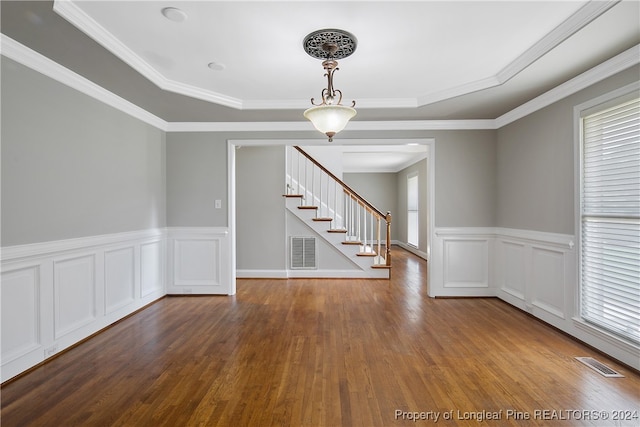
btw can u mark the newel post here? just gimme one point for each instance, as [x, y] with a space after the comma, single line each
[388, 255]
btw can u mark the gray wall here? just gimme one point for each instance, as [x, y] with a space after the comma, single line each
[260, 208]
[388, 192]
[72, 166]
[196, 178]
[465, 179]
[535, 159]
[379, 189]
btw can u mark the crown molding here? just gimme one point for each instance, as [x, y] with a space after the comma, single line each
[37, 62]
[400, 125]
[566, 29]
[68, 10]
[618, 63]
[585, 15]
[73, 14]
[453, 92]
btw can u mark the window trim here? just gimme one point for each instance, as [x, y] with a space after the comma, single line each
[580, 111]
[413, 175]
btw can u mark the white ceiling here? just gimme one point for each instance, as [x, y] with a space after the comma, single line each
[379, 158]
[409, 54]
[362, 157]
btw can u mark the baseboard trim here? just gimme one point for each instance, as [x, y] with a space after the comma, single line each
[261, 274]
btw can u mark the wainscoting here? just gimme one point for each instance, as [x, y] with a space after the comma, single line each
[461, 261]
[534, 271]
[55, 294]
[198, 260]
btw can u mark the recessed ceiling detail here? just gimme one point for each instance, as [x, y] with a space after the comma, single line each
[316, 44]
[174, 14]
[410, 54]
[216, 66]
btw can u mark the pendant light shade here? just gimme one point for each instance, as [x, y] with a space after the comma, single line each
[330, 119]
[330, 116]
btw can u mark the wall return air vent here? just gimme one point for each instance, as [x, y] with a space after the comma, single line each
[303, 253]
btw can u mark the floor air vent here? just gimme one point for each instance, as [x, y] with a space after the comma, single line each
[303, 253]
[599, 367]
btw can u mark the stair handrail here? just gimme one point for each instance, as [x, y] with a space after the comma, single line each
[376, 211]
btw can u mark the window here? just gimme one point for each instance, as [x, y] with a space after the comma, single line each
[412, 210]
[610, 217]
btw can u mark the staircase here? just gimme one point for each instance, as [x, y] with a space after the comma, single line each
[338, 214]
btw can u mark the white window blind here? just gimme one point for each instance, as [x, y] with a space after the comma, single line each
[413, 216]
[610, 203]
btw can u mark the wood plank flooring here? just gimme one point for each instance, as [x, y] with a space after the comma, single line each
[324, 353]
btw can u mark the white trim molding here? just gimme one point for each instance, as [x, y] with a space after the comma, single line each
[43, 65]
[532, 270]
[461, 262]
[411, 249]
[537, 272]
[621, 62]
[37, 62]
[77, 17]
[198, 261]
[55, 294]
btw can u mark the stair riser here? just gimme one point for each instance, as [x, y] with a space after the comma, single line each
[336, 240]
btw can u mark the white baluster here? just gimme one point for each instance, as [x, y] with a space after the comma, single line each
[298, 169]
[313, 182]
[378, 235]
[358, 221]
[371, 231]
[364, 229]
[335, 206]
[289, 177]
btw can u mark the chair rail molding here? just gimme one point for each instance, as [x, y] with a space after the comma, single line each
[55, 294]
[198, 261]
[58, 293]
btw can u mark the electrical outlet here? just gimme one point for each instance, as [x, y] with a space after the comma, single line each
[50, 351]
[218, 204]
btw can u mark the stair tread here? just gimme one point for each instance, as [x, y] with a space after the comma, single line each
[307, 207]
[367, 254]
[322, 219]
[293, 195]
[381, 266]
[352, 242]
[337, 230]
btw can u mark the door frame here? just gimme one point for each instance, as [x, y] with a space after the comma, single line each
[233, 144]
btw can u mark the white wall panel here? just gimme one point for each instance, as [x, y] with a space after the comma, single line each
[536, 269]
[74, 288]
[547, 277]
[197, 262]
[151, 268]
[119, 278]
[200, 261]
[513, 269]
[461, 263]
[466, 263]
[20, 314]
[55, 294]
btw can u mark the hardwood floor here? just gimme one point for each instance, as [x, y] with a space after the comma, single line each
[324, 353]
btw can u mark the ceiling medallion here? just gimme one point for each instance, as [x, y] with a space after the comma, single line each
[330, 116]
